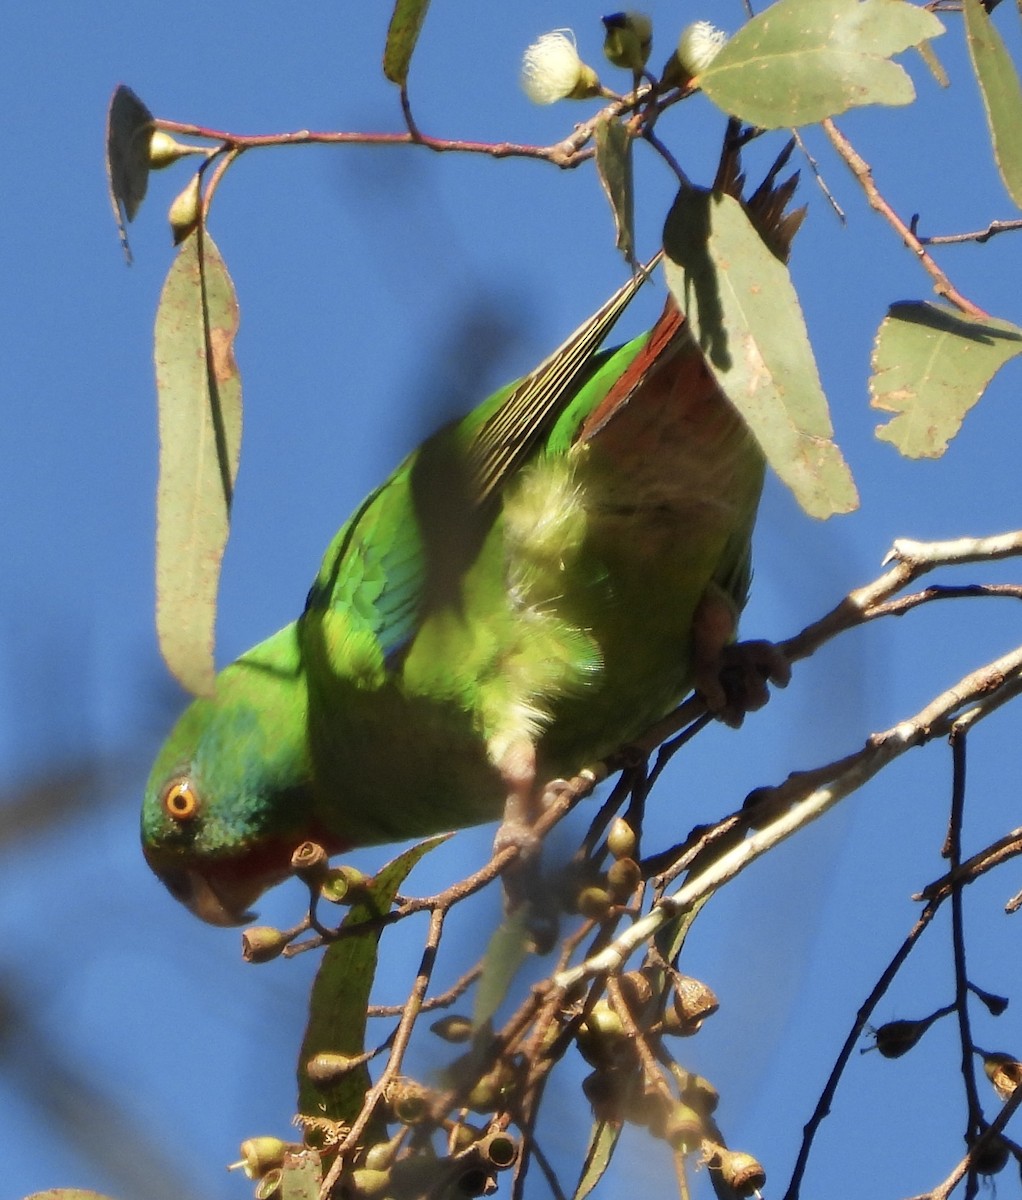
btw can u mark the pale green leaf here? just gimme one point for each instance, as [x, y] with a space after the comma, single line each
[129, 126]
[614, 167]
[506, 952]
[800, 61]
[930, 366]
[603, 1140]
[402, 34]
[340, 994]
[746, 318]
[199, 393]
[1002, 94]
[301, 1177]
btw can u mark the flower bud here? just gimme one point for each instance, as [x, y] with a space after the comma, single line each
[636, 991]
[488, 1093]
[464, 1135]
[628, 40]
[379, 1156]
[740, 1171]
[896, 1038]
[623, 878]
[552, 70]
[603, 1021]
[185, 211]
[1004, 1072]
[621, 840]
[991, 1155]
[684, 1128]
[453, 1028]
[700, 1094]
[594, 903]
[310, 863]
[325, 1069]
[262, 943]
[261, 1154]
[165, 150]
[605, 1092]
[364, 1181]
[343, 885]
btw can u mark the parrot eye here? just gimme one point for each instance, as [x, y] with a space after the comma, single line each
[180, 800]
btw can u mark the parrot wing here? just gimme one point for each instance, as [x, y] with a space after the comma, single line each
[403, 552]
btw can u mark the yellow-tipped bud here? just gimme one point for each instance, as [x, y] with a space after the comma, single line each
[621, 840]
[594, 903]
[261, 1154]
[165, 150]
[453, 1028]
[628, 40]
[623, 877]
[262, 943]
[364, 1181]
[325, 1069]
[185, 211]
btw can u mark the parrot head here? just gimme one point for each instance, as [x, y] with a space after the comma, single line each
[229, 797]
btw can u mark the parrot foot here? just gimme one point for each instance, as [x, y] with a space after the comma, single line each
[736, 683]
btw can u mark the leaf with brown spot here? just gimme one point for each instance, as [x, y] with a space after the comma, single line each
[199, 391]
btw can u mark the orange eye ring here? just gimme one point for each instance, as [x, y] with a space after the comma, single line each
[180, 800]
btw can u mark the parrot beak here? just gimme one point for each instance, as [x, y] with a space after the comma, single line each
[224, 902]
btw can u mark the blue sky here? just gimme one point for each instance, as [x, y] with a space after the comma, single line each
[358, 274]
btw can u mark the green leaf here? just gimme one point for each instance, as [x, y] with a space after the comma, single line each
[930, 366]
[302, 1176]
[506, 952]
[403, 33]
[603, 1141]
[1002, 94]
[614, 167]
[129, 125]
[199, 392]
[746, 319]
[800, 61]
[340, 994]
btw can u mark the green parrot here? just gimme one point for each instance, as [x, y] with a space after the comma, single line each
[531, 588]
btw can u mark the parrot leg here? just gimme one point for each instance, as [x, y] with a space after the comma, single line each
[731, 677]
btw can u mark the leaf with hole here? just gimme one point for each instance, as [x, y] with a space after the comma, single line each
[199, 393]
[800, 61]
[930, 366]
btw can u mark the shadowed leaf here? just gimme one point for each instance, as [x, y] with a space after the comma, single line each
[505, 953]
[128, 128]
[800, 61]
[1002, 94]
[402, 34]
[614, 166]
[746, 318]
[930, 366]
[602, 1143]
[199, 393]
[340, 994]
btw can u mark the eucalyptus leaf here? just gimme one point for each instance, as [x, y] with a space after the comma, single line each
[199, 392]
[129, 125]
[402, 35]
[930, 366]
[1001, 91]
[800, 61]
[340, 995]
[603, 1139]
[505, 953]
[746, 319]
[614, 167]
